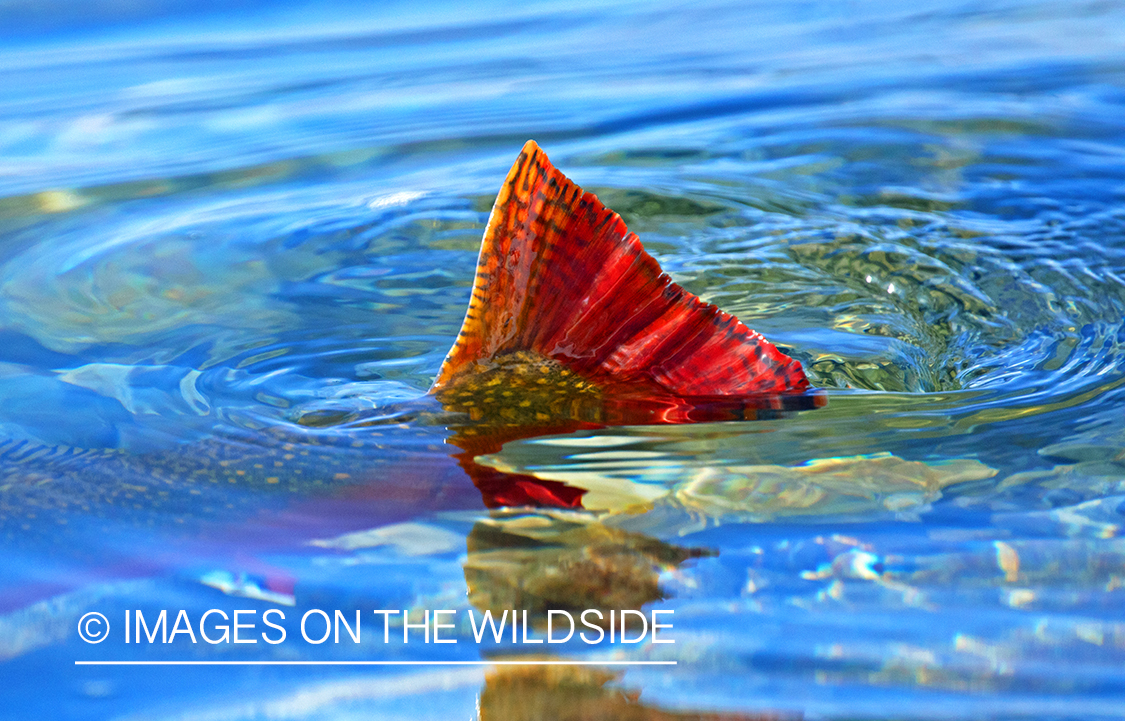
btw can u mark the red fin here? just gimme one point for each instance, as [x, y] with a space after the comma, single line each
[561, 275]
[500, 488]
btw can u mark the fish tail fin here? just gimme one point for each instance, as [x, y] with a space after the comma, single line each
[560, 275]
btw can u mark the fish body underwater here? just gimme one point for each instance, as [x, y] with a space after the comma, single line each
[571, 325]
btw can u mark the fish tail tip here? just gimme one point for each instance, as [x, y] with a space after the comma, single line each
[559, 274]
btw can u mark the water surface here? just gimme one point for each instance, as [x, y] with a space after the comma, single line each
[218, 223]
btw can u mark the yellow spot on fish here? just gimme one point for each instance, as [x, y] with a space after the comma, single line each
[272, 479]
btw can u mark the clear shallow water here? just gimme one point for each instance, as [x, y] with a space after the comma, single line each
[216, 223]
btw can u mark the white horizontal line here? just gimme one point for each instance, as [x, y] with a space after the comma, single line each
[375, 663]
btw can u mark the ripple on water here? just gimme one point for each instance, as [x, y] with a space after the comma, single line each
[216, 242]
[184, 308]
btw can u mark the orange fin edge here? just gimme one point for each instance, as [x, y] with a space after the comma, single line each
[558, 273]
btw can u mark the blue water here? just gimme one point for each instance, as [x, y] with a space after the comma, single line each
[237, 239]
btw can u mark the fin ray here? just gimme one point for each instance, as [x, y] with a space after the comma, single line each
[560, 274]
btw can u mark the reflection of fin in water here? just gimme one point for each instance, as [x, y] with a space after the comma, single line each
[537, 562]
[573, 325]
[567, 693]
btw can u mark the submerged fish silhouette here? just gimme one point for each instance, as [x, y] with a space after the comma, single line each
[573, 325]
